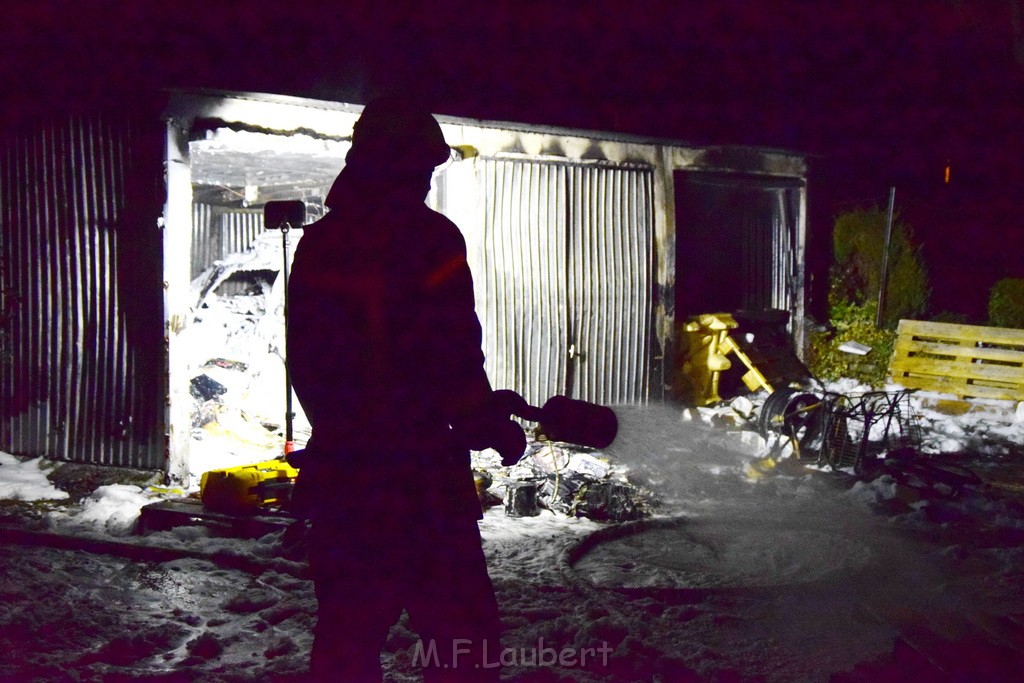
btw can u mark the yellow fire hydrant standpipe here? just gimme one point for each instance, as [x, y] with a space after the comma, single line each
[706, 344]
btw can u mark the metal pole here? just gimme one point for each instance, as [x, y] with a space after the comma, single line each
[884, 281]
[289, 441]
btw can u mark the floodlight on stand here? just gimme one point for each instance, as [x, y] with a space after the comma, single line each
[284, 215]
[278, 215]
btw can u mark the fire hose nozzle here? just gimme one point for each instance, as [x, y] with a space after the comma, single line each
[571, 420]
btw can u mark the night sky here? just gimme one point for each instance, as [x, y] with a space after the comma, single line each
[879, 94]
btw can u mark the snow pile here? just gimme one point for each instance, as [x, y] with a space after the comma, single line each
[113, 509]
[26, 480]
[874, 492]
[949, 425]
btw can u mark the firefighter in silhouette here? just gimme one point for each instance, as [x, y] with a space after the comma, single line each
[384, 351]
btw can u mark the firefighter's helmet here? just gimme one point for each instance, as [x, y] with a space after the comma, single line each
[396, 131]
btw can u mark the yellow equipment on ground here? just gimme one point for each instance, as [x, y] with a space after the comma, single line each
[705, 344]
[248, 488]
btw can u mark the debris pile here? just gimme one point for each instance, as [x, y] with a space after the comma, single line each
[927, 451]
[565, 479]
[235, 343]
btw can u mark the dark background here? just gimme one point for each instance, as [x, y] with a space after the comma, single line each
[878, 93]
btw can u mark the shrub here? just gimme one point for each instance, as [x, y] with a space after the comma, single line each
[851, 321]
[858, 248]
[1006, 303]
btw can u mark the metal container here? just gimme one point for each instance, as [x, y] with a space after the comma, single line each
[521, 499]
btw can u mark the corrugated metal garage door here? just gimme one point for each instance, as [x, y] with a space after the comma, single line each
[564, 278]
[83, 374]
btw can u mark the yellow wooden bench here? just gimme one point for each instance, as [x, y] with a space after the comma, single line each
[970, 361]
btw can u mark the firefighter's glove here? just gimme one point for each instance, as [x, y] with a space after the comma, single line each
[490, 426]
[506, 403]
[510, 442]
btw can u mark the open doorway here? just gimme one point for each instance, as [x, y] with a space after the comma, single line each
[737, 244]
[235, 339]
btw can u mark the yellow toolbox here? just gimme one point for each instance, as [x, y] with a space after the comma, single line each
[248, 488]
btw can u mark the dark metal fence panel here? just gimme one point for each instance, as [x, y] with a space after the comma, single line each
[218, 232]
[239, 228]
[786, 247]
[82, 374]
[768, 249]
[205, 238]
[567, 278]
[757, 251]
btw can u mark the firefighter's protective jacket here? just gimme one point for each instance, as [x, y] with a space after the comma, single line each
[384, 346]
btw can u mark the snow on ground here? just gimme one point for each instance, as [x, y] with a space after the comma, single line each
[112, 509]
[96, 616]
[787, 576]
[26, 480]
[951, 425]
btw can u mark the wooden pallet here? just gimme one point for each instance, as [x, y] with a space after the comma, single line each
[970, 361]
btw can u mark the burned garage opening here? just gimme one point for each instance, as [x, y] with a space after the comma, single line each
[235, 341]
[737, 243]
[739, 280]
